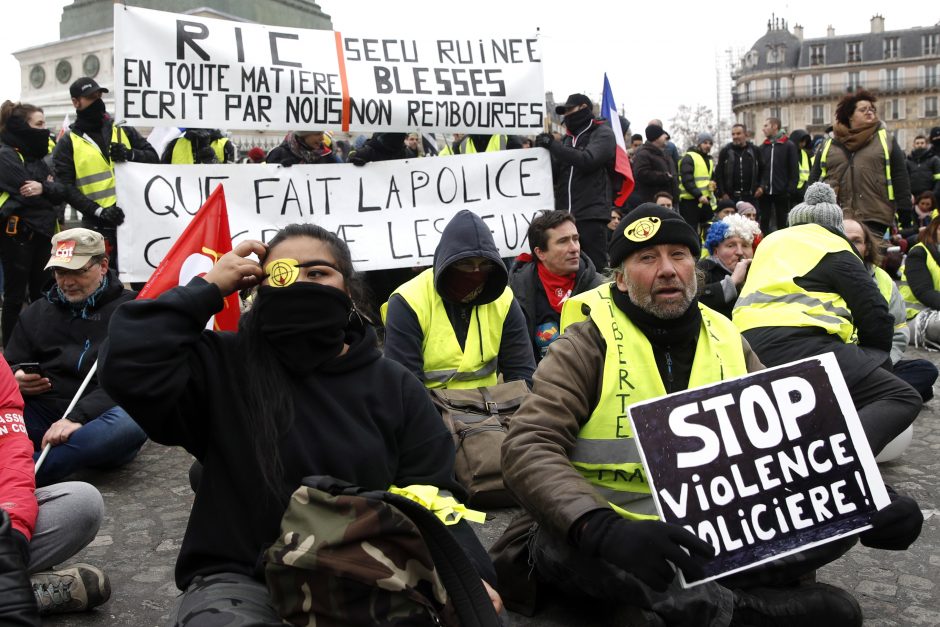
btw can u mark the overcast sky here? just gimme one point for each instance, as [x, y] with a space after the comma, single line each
[658, 55]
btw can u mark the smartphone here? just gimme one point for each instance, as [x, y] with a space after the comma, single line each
[29, 367]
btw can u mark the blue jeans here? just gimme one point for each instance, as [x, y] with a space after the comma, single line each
[108, 441]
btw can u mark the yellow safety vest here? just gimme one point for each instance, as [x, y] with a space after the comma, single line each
[771, 297]
[702, 172]
[914, 306]
[496, 143]
[183, 150]
[94, 175]
[883, 137]
[605, 453]
[804, 169]
[445, 364]
[5, 195]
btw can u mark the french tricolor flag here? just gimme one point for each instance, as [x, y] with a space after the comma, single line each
[622, 163]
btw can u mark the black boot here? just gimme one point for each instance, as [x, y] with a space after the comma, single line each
[813, 604]
[17, 605]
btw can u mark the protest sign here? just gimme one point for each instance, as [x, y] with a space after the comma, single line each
[183, 70]
[391, 213]
[761, 466]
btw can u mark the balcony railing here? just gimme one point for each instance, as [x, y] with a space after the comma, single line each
[886, 86]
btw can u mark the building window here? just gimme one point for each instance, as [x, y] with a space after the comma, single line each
[817, 54]
[930, 106]
[853, 82]
[775, 112]
[816, 85]
[891, 79]
[818, 114]
[776, 54]
[892, 109]
[892, 47]
[930, 44]
[930, 76]
[853, 52]
[775, 90]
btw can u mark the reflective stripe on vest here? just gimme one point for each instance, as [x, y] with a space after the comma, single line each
[94, 175]
[466, 147]
[445, 364]
[883, 137]
[701, 172]
[771, 296]
[5, 195]
[605, 452]
[914, 306]
[804, 168]
[183, 150]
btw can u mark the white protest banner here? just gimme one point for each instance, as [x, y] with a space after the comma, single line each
[183, 70]
[761, 466]
[391, 213]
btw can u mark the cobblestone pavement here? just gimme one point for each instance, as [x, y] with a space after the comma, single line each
[148, 504]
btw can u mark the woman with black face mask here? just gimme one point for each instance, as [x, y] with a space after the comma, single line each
[300, 390]
[28, 199]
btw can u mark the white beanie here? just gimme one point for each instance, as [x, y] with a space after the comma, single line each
[818, 207]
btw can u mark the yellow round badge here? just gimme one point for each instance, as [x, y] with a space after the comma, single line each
[643, 229]
[282, 272]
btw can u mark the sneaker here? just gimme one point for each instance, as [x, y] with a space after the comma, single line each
[812, 604]
[76, 588]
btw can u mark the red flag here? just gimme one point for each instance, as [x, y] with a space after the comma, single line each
[622, 162]
[204, 240]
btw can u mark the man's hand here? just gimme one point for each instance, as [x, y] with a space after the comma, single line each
[113, 215]
[758, 192]
[121, 153]
[59, 432]
[740, 273]
[31, 384]
[703, 200]
[544, 140]
[233, 272]
[494, 597]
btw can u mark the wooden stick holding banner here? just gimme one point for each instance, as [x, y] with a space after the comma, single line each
[761, 466]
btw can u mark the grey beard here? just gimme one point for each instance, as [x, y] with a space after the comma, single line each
[669, 311]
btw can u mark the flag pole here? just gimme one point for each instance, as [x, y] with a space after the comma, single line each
[78, 395]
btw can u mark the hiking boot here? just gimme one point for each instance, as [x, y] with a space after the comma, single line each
[76, 588]
[812, 604]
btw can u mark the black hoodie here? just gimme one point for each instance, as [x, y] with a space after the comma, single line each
[358, 417]
[465, 236]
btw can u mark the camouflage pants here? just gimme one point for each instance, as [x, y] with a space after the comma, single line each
[224, 600]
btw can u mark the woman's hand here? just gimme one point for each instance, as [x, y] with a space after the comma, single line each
[234, 272]
[31, 188]
[494, 597]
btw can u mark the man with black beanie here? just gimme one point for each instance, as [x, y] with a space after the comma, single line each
[653, 169]
[84, 161]
[570, 459]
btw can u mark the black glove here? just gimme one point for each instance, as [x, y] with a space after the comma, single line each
[895, 527]
[205, 155]
[112, 214]
[121, 153]
[643, 548]
[17, 605]
[363, 155]
[544, 140]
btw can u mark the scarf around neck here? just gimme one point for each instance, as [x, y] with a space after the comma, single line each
[855, 138]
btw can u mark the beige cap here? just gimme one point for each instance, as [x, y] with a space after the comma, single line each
[72, 249]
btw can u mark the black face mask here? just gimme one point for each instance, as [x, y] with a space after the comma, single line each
[578, 119]
[32, 142]
[92, 116]
[304, 323]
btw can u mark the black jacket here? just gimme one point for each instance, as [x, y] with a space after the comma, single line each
[358, 417]
[923, 166]
[737, 172]
[283, 155]
[918, 276]
[466, 235]
[718, 291]
[66, 343]
[37, 212]
[580, 167]
[63, 160]
[530, 294]
[653, 171]
[780, 166]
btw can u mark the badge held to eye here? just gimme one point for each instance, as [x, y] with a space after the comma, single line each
[282, 272]
[643, 229]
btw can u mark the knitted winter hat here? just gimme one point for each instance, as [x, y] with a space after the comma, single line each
[818, 207]
[702, 137]
[649, 225]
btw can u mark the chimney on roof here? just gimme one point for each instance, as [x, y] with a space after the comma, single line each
[830, 31]
[798, 31]
[877, 24]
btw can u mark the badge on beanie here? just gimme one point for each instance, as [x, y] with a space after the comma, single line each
[643, 229]
[65, 249]
[282, 272]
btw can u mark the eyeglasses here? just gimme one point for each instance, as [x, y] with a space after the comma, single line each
[471, 265]
[65, 272]
[864, 110]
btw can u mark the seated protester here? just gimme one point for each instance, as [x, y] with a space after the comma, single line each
[920, 287]
[749, 211]
[924, 207]
[300, 390]
[599, 539]
[544, 280]
[808, 293]
[456, 325]
[199, 145]
[302, 148]
[41, 528]
[62, 333]
[729, 242]
[723, 209]
[920, 373]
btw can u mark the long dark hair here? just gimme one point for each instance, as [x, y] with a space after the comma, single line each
[10, 109]
[268, 395]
